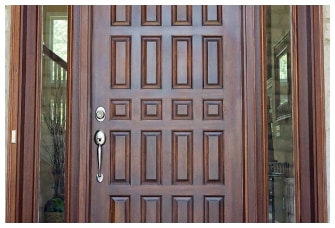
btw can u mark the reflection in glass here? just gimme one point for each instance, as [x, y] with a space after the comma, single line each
[283, 79]
[283, 67]
[53, 114]
[281, 179]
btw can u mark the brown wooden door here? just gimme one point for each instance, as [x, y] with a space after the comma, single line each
[170, 79]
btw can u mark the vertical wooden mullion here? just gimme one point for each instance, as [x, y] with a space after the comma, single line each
[37, 112]
[68, 161]
[261, 117]
[308, 114]
[319, 137]
[28, 115]
[255, 118]
[78, 106]
[249, 117]
[13, 125]
[295, 110]
[301, 119]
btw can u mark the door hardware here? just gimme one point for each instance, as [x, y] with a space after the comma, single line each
[100, 139]
[100, 114]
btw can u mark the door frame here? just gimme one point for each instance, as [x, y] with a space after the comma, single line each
[309, 128]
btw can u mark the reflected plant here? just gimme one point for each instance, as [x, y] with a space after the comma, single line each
[53, 114]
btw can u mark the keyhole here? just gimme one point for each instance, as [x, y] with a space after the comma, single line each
[100, 114]
[100, 138]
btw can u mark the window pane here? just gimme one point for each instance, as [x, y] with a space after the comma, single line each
[53, 114]
[280, 129]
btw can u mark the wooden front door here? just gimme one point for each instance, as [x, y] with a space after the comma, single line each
[170, 81]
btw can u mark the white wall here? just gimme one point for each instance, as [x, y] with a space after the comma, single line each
[5, 86]
[326, 42]
[7, 51]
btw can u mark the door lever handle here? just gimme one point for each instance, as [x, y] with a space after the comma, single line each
[100, 139]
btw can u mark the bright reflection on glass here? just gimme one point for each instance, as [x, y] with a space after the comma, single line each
[282, 61]
[53, 114]
[59, 25]
[283, 67]
[280, 130]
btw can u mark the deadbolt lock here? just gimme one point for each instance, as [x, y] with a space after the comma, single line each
[100, 114]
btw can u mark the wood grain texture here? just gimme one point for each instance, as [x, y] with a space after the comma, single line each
[181, 15]
[255, 122]
[212, 15]
[13, 115]
[78, 130]
[29, 130]
[182, 62]
[319, 135]
[170, 155]
[121, 15]
[151, 66]
[151, 15]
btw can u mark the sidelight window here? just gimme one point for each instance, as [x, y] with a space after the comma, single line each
[53, 114]
[281, 179]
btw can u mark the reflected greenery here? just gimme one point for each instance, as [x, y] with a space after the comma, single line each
[53, 114]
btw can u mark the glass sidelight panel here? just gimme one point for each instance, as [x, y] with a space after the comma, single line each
[281, 179]
[53, 114]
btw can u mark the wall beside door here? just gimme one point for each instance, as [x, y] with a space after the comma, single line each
[7, 56]
[326, 43]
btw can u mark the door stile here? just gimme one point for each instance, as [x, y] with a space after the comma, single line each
[319, 136]
[255, 118]
[13, 117]
[29, 115]
[79, 128]
[234, 123]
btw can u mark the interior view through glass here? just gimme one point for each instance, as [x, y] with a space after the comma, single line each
[53, 114]
[279, 106]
